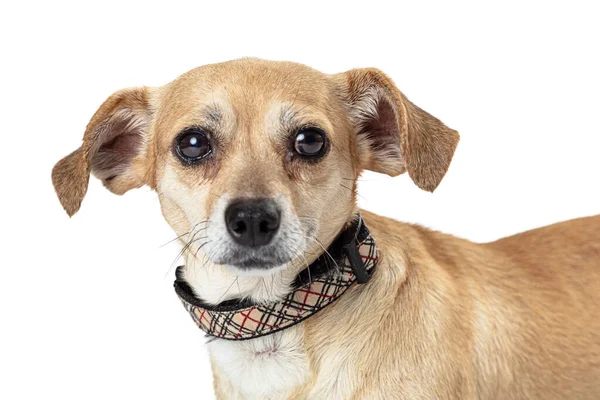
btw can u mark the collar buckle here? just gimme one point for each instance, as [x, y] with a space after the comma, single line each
[356, 262]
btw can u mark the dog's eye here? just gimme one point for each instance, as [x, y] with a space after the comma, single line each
[193, 145]
[309, 142]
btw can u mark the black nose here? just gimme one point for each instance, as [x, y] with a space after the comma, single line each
[252, 222]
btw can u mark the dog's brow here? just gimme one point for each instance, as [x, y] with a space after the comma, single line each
[293, 116]
[213, 114]
[289, 114]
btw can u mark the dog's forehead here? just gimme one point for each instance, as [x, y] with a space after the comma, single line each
[248, 90]
[262, 77]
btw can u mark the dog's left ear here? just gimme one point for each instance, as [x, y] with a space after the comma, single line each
[113, 149]
[394, 135]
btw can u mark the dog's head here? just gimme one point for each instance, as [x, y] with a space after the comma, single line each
[256, 162]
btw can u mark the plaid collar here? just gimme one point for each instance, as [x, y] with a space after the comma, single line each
[352, 257]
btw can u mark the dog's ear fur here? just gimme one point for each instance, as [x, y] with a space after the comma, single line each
[113, 148]
[394, 135]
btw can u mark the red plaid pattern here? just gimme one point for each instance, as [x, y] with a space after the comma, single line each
[261, 320]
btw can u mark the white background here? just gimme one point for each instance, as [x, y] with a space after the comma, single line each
[87, 308]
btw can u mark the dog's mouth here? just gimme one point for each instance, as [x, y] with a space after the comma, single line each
[256, 259]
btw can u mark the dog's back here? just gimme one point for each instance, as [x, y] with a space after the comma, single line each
[539, 336]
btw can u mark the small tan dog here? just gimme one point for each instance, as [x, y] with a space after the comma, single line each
[256, 165]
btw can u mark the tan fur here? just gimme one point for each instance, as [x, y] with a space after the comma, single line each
[442, 318]
[445, 318]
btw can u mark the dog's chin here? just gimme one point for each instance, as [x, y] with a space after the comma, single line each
[257, 261]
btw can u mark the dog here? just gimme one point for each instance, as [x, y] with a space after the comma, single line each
[256, 165]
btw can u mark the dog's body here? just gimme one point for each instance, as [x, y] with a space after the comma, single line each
[256, 165]
[443, 318]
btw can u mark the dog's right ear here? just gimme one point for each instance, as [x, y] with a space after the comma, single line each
[113, 149]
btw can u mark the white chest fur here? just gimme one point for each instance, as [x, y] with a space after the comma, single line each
[270, 367]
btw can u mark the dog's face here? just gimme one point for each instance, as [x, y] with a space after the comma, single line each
[253, 154]
[256, 162]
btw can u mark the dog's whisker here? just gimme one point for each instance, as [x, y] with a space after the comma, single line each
[324, 249]
[300, 252]
[239, 289]
[205, 222]
[353, 191]
[183, 250]
[205, 260]
[200, 247]
[358, 179]
[230, 286]
[262, 280]
[307, 267]
[172, 240]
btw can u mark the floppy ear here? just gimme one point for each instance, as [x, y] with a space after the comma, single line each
[394, 135]
[112, 149]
